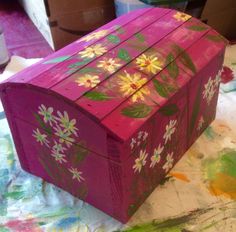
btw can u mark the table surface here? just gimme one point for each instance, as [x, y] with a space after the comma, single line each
[22, 37]
[198, 195]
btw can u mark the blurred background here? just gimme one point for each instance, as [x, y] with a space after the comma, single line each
[46, 25]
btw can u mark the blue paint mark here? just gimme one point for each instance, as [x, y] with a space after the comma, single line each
[67, 222]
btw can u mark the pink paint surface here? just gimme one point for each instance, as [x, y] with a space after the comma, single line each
[129, 149]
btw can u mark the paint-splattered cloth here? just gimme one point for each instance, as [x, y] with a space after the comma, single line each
[198, 195]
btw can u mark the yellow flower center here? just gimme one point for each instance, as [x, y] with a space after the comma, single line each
[133, 86]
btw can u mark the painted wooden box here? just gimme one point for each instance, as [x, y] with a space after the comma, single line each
[107, 117]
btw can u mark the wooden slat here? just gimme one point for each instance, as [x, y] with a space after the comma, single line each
[208, 47]
[65, 69]
[133, 46]
[162, 49]
[33, 71]
[117, 122]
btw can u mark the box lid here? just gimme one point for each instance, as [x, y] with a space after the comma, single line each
[124, 72]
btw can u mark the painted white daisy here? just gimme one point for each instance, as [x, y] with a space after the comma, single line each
[145, 135]
[170, 129]
[47, 114]
[66, 123]
[64, 136]
[76, 174]
[209, 90]
[218, 79]
[169, 162]
[140, 134]
[156, 158]
[59, 157]
[58, 147]
[133, 142]
[141, 161]
[41, 138]
[200, 123]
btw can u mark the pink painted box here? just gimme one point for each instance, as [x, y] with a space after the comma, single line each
[107, 117]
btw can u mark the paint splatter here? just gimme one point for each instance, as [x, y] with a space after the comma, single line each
[180, 176]
[210, 133]
[67, 222]
[221, 174]
[28, 225]
[176, 224]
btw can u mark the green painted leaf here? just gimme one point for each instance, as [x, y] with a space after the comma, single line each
[57, 60]
[163, 76]
[216, 38]
[172, 68]
[43, 125]
[97, 96]
[171, 88]
[196, 109]
[119, 29]
[89, 70]
[75, 65]
[138, 110]
[185, 59]
[169, 110]
[197, 28]
[160, 88]
[79, 153]
[113, 39]
[137, 46]
[82, 191]
[140, 37]
[124, 55]
[47, 169]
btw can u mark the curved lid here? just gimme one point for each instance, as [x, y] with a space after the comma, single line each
[109, 73]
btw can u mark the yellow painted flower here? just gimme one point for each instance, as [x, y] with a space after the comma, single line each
[110, 65]
[150, 64]
[93, 51]
[94, 35]
[181, 16]
[88, 81]
[129, 84]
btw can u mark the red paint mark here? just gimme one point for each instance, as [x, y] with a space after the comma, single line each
[227, 75]
[180, 176]
[28, 225]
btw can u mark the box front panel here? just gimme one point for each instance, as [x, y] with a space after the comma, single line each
[166, 143]
[154, 149]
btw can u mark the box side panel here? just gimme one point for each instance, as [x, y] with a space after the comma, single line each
[75, 170]
[56, 116]
[203, 96]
